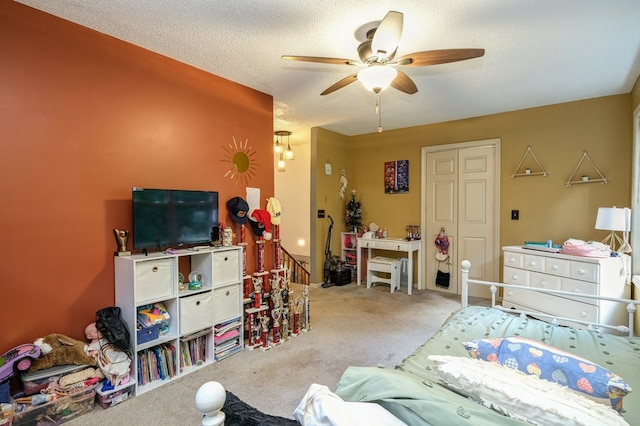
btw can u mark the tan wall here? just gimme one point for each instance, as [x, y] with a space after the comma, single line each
[558, 135]
[327, 145]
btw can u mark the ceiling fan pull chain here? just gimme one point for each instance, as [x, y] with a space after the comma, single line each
[379, 112]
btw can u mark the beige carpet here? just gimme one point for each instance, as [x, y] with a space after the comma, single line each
[350, 325]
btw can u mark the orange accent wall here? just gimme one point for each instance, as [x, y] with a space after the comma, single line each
[84, 117]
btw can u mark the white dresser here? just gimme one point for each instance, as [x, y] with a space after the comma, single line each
[557, 271]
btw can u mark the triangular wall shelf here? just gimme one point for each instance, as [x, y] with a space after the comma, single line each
[585, 156]
[517, 173]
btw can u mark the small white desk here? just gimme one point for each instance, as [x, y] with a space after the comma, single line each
[393, 244]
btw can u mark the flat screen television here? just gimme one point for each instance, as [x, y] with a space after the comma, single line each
[172, 218]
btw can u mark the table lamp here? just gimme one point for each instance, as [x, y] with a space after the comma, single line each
[615, 219]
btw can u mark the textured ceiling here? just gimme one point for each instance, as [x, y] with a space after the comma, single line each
[538, 52]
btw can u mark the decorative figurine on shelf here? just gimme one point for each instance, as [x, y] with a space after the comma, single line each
[195, 280]
[121, 239]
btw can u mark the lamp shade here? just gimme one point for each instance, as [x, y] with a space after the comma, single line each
[614, 219]
[377, 77]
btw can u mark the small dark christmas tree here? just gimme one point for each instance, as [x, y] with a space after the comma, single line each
[353, 218]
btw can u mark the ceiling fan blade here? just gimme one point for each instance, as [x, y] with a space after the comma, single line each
[434, 57]
[322, 60]
[403, 83]
[387, 36]
[339, 85]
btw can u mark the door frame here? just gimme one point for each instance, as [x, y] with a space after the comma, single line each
[494, 142]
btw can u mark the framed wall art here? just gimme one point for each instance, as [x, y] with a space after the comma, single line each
[396, 177]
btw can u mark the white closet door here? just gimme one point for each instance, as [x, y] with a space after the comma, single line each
[441, 212]
[462, 196]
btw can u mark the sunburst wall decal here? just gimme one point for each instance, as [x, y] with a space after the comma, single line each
[240, 161]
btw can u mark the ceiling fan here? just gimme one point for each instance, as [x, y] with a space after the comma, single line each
[377, 55]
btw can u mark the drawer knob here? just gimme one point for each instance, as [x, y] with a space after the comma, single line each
[532, 263]
[226, 258]
[581, 271]
[583, 314]
[576, 290]
[554, 268]
[154, 269]
[543, 283]
[514, 277]
[509, 293]
[198, 303]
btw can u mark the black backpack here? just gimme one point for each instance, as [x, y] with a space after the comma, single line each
[113, 328]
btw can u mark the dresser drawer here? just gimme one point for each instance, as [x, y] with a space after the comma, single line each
[155, 279]
[578, 310]
[557, 266]
[549, 282]
[515, 260]
[534, 263]
[226, 303]
[516, 276]
[585, 271]
[580, 287]
[196, 312]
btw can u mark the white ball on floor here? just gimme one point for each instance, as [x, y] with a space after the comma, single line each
[210, 399]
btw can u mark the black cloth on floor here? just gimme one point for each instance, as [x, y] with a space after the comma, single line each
[240, 414]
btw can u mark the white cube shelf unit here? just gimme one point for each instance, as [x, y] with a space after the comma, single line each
[205, 325]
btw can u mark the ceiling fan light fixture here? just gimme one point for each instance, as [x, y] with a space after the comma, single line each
[377, 77]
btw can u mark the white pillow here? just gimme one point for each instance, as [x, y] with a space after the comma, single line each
[321, 407]
[521, 396]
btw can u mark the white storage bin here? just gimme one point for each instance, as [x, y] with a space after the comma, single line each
[196, 312]
[225, 267]
[226, 302]
[156, 279]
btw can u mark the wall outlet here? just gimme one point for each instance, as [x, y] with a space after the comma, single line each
[515, 214]
[320, 214]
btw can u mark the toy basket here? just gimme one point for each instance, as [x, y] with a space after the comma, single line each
[148, 334]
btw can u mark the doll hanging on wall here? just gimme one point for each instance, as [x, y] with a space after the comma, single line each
[343, 183]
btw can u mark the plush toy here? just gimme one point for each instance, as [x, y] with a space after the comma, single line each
[58, 349]
[113, 362]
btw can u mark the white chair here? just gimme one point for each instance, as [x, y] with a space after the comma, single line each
[387, 266]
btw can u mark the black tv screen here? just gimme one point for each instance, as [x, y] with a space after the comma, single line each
[168, 217]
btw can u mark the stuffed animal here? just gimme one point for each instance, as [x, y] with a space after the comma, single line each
[58, 349]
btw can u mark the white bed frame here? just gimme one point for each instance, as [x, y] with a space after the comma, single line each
[631, 305]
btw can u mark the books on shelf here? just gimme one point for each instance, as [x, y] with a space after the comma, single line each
[156, 363]
[193, 349]
[227, 338]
